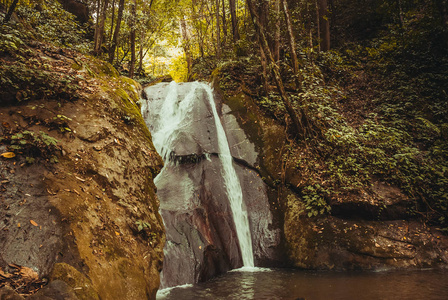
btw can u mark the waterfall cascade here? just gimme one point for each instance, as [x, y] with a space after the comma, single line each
[234, 191]
[203, 193]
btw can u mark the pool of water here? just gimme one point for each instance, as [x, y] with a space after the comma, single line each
[313, 285]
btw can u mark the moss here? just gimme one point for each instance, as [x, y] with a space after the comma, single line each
[81, 284]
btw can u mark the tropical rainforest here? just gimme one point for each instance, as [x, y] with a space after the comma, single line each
[360, 89]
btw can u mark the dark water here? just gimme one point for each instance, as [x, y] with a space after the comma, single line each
[310, 285]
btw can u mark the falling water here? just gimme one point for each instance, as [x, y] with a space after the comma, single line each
[173, 116]
[233, 187]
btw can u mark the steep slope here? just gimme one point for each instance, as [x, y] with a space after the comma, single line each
[79, 214]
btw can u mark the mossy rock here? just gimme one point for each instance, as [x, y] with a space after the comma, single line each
[79, 282]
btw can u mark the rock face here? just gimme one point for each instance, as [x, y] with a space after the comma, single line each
[201, 234]
[366, 231]
[90, 223]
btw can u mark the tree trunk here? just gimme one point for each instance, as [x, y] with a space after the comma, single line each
[324, 24]
[277, 31]
[295, 117]
[140, 52]
[112, 19]
[264, 74]
[116, 31]
[186, 42]
[292, 42]
[224, 21]
[133, 24]
[10, 11]
[218, 32]
[236, 35]
[97, 24]
[99, 32]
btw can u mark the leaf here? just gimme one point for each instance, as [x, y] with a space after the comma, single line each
[8, 154]
[33, 223]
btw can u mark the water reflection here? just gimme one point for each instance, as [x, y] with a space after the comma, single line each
[295, 284]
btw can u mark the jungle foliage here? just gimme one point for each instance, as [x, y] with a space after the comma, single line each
[365, 80]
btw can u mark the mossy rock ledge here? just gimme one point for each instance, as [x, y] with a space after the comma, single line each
[72, 214]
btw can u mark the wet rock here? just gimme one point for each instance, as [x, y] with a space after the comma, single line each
[333, 243]
[201, 234]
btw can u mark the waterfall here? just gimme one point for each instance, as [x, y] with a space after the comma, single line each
[173, 115]
[204, 193]
[233, 187]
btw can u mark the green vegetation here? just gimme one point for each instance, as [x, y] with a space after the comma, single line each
[34, 145]
[371, 106]
[375, 109]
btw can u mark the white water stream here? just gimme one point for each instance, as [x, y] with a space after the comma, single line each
[175, 114]
[233, 187]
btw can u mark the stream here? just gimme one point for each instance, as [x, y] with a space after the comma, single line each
[313, 285]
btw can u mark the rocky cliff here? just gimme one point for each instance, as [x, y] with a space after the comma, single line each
[369, 229]
[79, 214]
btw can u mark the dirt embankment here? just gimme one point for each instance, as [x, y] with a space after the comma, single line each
[78, 211]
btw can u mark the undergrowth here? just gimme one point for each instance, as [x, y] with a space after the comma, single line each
[379, 112]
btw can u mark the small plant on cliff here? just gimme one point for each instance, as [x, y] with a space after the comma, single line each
[35, 144]
[142, 225]
[314, 198]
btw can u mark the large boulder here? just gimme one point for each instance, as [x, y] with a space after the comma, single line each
[78, 202]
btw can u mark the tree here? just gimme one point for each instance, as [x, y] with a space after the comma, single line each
[277, 31]
[116, 32]
[235, 32]
[186, 45]
[10, 11]
[292, 43]
[133, 26]
[218, 32]
[324, 25]
[99, 29]
[224, 20]
[260, 29]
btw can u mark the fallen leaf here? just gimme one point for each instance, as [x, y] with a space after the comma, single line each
[8, 154]
[33, 223]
